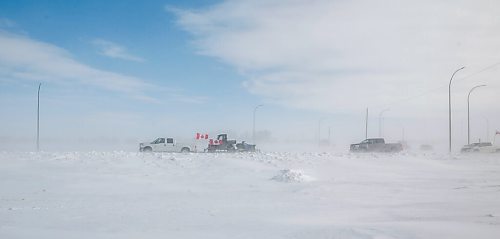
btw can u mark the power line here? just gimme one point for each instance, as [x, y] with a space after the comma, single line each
[431, 91]
[480, 71]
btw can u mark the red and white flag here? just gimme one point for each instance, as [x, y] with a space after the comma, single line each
[214, 142]
[201, 136]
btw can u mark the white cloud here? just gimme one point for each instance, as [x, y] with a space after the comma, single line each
[113, 50]
[25, 58]
[346, 55]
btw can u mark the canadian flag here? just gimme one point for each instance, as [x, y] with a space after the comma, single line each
[214, 142]
[201, 136]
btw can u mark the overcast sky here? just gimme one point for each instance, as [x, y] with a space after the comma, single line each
[139, 70]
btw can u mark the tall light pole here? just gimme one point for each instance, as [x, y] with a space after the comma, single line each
[380, 122]
[403, 134]
[468, 111]
[449, 107]
[366, 124]
[38, 120]
[253, 130]
[319, 131]
[329, 135]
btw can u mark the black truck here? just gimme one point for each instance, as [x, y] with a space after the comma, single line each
[222, 144]
[376, 145]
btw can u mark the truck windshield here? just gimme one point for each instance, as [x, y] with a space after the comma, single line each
[159, 141]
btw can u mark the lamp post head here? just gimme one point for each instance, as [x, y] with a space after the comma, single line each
[258, 106]
[461, 68]
[383, 111]
[473, 88]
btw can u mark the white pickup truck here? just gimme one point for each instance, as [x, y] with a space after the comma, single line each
[166, 145]
[482, 147]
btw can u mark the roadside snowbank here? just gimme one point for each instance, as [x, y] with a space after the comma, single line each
[133, 195]
[290, 176]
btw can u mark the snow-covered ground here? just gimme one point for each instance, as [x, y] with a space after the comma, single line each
[261, 195]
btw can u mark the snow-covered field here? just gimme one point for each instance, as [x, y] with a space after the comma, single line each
[262, 195]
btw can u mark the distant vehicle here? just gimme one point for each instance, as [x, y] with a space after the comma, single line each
[166, 145]
[222, 144]
[244, 147]
[426, 147]
[482, 147]
[490, 149]
[376, 145]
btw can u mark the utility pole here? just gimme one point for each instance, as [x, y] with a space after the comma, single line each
[253, 129]
[38, 120]
[319, 131]
[449, 107]
[403, 134]
[329, 136]
[366, 124]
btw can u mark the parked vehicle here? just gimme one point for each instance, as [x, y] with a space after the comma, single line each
[482, 147]
[244, 147]
[166, 145]
[376, 145]
[222, 144]
[490, 149]
[426, 147]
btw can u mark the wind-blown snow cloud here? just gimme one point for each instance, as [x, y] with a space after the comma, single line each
[113, 50]
[347, 55]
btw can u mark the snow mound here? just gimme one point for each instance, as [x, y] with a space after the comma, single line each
[291, 176]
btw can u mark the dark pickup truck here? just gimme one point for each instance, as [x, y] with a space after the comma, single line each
[376, 145]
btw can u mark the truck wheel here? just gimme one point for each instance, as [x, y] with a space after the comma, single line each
[185, 150]
[147, 149]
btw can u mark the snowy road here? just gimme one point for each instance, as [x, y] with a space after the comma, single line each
[265, 195]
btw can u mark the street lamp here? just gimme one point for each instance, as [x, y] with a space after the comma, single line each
[253, 131]
[319, 131]
[468, 112]
[449, 107]
[380, 122]
[38, 120]
[366, 124]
